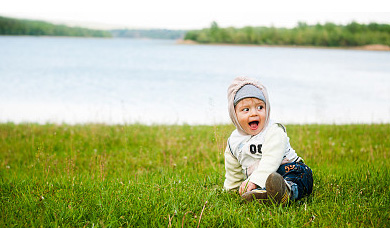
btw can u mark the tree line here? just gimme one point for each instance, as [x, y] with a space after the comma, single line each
[148, 33]
[10, 26]
[328, 34]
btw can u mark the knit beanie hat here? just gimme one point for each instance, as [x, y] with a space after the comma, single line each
[248, 91]
[234, 96]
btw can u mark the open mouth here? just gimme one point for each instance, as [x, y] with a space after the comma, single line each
[254, 125]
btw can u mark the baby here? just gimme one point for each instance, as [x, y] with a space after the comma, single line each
[259, 160]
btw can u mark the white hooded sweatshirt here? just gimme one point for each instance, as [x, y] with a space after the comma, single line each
[254, 157]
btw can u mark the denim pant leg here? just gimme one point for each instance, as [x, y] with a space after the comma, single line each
[300, 174]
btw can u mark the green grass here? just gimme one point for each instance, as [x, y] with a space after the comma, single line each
[161, 176]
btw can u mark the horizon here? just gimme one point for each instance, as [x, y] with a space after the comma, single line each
[102, 26]
[179, 15]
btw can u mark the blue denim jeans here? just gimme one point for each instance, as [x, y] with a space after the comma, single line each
[300, 174]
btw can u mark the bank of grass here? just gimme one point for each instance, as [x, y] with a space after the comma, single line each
[162, 176]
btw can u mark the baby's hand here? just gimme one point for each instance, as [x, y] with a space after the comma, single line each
[246, 186]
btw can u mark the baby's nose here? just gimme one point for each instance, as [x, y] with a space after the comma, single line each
[253, 112]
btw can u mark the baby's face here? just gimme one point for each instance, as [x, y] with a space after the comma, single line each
[251, 115]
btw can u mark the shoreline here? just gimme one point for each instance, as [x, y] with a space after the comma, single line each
[89, 124]
[370, 47]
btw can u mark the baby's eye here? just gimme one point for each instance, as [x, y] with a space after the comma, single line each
[245, 109]
[260, 107]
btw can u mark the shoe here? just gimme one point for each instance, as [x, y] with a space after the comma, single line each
[277, 189]
[256, 194]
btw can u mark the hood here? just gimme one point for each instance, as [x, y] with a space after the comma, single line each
[231, 93]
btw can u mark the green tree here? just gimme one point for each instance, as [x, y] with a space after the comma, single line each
[328, 34]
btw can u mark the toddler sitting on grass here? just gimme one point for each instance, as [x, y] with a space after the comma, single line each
[259, 160]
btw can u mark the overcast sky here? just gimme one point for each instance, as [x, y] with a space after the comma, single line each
[196, 14]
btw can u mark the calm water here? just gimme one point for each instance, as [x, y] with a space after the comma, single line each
[79, 80]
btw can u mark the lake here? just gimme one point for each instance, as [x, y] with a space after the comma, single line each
[117, 81]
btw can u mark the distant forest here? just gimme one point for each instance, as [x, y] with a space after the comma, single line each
[10, 26]
[149, 33]
[328, 35]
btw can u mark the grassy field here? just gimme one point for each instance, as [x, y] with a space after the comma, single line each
[172, 176]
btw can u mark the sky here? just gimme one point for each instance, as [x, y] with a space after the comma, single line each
[183, 14]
